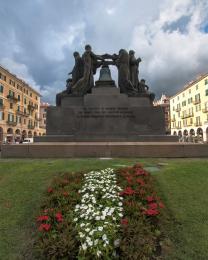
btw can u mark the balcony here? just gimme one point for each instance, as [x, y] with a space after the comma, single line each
[198, 124]
[205, 110]
[31, 127]
[187, 115]
[191, 114]
[197, 101]
[31, 107]
[173, 120]
[178, 127]
[12, 123]
[21, 113]
[178, 109]
[12, 98]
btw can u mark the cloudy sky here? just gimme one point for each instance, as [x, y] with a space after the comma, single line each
[38, 37]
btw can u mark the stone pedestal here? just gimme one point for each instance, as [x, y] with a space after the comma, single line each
[105, 115]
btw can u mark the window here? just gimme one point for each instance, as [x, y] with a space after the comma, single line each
[25, 101]
[27, 91]
[11, 82]
[178, 97]
[206, 92]
[197, 87]
[1, 88]
[10, 117]
[18, 108]
[198, 121]
[206, 82]
[36, 98]
[189, 91]
[1, 115]
[18, 97]
[11, 106]
[24, 121]
[183, 94]
[190, 100]
[183, 103]
[3, 77]
[11, 93]
[1, 102]
[197, 98]
[31, 94]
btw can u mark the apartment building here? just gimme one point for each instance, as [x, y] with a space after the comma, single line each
[189, 111]
[164, 103]
[43, 113]
[19, 108]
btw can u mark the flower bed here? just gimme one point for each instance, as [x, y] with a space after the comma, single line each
[140, 234]
[102, 214]
[98, 215]
[56, 233]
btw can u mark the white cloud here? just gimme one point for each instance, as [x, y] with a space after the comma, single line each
[110, 11]
[21, 71]
[170, 58]
[166, 34]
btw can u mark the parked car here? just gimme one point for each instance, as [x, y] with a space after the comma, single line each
[27, 141]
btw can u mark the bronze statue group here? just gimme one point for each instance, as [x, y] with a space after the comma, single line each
[82, 74]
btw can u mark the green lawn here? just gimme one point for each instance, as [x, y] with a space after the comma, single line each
[182, 183]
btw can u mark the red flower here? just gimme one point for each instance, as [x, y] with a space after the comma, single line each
[140, 172]
[150, 198]
[42, 218]
[151, 212]
[127, 191]
[65, 193]
[161, 205]
[141, 182]
[50, 190]
[59, 217]
[44, 227]
[129, 179]
[153, 205]
[124, 222]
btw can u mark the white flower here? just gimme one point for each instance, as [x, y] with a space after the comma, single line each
[84, 246]
[99, 253]
[117, 242]
[104, 237]
[100, 228]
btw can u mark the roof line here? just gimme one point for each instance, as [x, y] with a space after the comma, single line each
[20, 80]
[191, 83]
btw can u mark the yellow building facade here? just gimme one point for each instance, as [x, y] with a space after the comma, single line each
[189, 111]
[19, 108]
